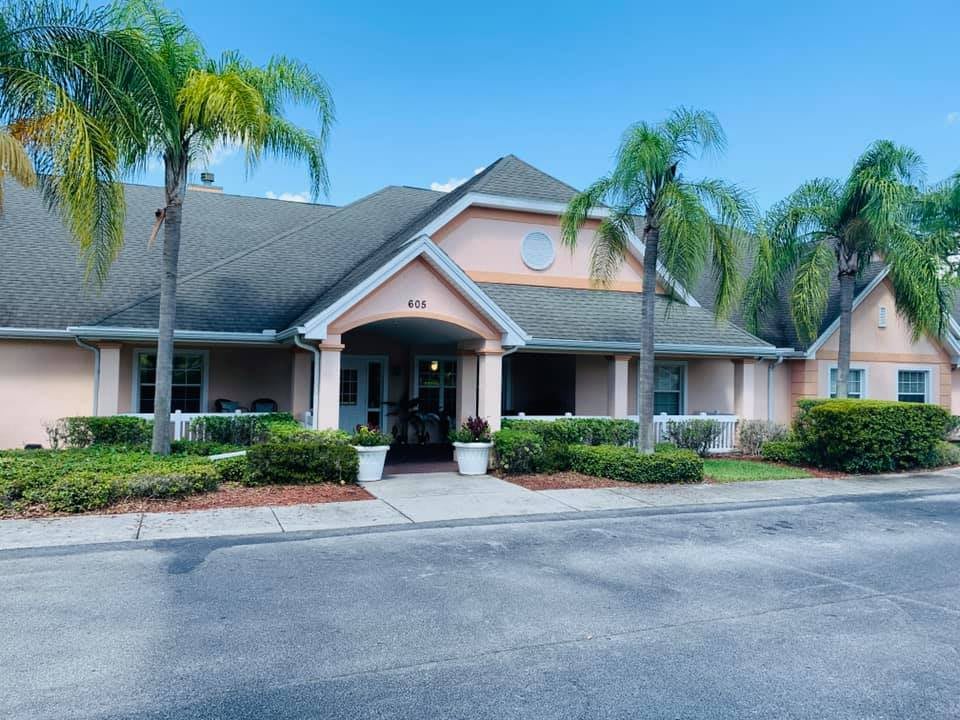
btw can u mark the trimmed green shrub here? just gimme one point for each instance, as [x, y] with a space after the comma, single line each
[622, 463]
[301, 462]
[517, 451]
[172, 483]
[240, 429]
[84, 431]
[754, 433]
[100, 474]
[554, 458]
[579, 431]
[783, 451]
[81, 491]
[946, 454]
[231, 469]
[201, 448]
[697, 435]
[870, 435]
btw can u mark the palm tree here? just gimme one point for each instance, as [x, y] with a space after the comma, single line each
[829, 229]
[203, 103]
[15, 162]
[684, 224]
[71, 91]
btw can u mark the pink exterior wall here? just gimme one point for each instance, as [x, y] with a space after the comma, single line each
[41, 382]
[245, 374]
[590, 397]
[486, 244]
[420, 283]
[882, 352]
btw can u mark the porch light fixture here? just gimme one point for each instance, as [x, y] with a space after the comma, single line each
[434, 365]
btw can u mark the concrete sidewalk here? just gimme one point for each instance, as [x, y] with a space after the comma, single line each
[437, 497]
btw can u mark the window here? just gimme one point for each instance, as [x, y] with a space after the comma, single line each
[912, 385]
[188, 382]
[437, 385]
[854, 383]
[668, 389]
[349, 379]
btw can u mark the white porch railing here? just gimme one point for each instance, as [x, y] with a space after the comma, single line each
[181, 421]
[725, 442]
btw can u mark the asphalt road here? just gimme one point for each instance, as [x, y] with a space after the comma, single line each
[812, 610]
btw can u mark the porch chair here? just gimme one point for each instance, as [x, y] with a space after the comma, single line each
[264, 405]
[222, 405]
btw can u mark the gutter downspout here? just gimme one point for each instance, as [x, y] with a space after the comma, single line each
[770, 369]
[96, 373]
[314, 415]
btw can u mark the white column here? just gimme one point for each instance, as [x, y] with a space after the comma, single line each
[326, 401]
[466, 386]
[491, 381]
[745, 388]
[108, 390]
[618, 379]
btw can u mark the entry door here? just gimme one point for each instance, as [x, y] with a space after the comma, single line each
[361, 392]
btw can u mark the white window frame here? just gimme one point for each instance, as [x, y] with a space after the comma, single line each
[416, 373]
[384, 361]
[864, 387]
[928, 373]
[684, 385]
[204, 381]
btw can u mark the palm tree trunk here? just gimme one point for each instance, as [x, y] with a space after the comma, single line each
[846, 320]
[173, 214]
[651, 241]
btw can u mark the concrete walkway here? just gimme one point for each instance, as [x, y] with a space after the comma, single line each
[438, 497]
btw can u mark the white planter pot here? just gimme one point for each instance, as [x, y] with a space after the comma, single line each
[371, 462]
[472, 458]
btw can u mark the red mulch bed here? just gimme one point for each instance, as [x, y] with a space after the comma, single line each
[228, 495]
[563, 481]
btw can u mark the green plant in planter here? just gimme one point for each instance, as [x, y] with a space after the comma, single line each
[368, 436]
[474, 430]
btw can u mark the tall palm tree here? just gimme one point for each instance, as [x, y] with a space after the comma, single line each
[204, 103]
[15, 162]
[830, 229]
[684, 224]
[72, 89]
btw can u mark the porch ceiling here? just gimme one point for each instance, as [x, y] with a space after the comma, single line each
[423, 330]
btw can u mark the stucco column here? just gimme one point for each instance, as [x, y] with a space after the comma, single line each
[326, 401]
[466, 386]
[108, 390]
[301, 377]
[618, 378]
[491, 382]
[745, 389]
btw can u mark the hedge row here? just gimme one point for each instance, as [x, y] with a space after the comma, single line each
[622, 463]
[865, 436]
[578, 431]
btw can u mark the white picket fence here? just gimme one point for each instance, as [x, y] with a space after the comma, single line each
[725, 442]
[181, 421]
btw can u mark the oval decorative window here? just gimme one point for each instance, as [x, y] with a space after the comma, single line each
[537, 250]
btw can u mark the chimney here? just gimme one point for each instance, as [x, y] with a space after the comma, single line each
[206, 184]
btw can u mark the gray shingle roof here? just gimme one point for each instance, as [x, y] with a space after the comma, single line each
[41, 278]
[548, 313]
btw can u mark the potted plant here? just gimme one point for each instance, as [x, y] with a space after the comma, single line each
[472, 443]
[372, 446]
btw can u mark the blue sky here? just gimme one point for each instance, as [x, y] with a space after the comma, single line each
[429, 92]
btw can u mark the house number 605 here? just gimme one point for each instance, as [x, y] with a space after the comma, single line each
[417, 304]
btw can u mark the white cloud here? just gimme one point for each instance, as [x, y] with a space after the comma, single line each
[448, 185]
[301, 197]
[953, 118]
[453, 182]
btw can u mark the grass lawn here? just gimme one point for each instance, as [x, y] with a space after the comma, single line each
[732, 470]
